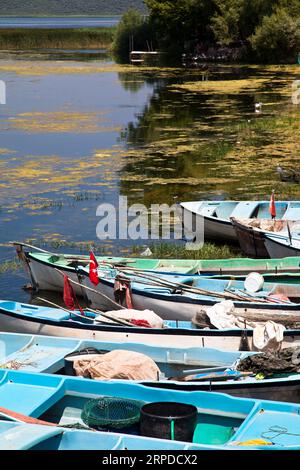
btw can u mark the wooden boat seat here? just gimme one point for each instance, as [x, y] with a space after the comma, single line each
[30, 398]
[273, 426]
[32, 310]
[293, 213]
[49, 313]
[244, 209]
[56, 314]
[225, 209]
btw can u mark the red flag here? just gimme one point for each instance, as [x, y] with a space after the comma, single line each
[272, 207]
[69, 297]
[93, 269]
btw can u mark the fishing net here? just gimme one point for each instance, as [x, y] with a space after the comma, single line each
[285, 361]
[110, 412]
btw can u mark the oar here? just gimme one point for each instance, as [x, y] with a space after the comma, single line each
[71, 312]
[204, 370]
[19, 417]
[185, 287]
[226, 375]
[121, 321]
[33, 247]
[73, 257]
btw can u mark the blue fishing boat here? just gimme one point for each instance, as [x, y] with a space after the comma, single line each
[177, 297]
[26, 318]
[213, 217]
[213, 420]
[180, 368]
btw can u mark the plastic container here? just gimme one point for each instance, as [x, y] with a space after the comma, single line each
[254, 282]
[86, 353]
[168, 420]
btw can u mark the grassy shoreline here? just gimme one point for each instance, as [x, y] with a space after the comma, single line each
[55, 38]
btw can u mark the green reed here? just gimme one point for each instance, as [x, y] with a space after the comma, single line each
[28, 39]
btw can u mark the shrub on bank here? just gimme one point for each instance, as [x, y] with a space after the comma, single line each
[277, 39]
[134, 32]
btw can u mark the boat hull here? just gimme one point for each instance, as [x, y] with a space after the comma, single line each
[45, 277]
[215, 229]
[227, 340]
[252, 242]
[286, 391]
[280, 250]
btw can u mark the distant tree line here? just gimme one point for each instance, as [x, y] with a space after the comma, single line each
[69, 7]
[264, 30]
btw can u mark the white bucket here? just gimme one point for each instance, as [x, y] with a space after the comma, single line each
[254, 282]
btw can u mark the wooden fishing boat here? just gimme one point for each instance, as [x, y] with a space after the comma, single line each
[281, 246]
[44, 267]
[31, 319]
[181, 368]
[177, 297]
[251, 234]
[214, 217]
[220, 421]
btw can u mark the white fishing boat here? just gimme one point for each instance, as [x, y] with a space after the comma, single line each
[213, 217]
[18, 317]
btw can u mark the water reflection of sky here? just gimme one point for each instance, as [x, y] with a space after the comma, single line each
[65, 131]
[59, 22]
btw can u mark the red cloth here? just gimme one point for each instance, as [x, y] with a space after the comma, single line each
[143, 323]
[69, 297]
[278, 297]
[93, 269]
[272, 207]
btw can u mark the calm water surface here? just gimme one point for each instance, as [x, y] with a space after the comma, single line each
[59, 22]
[76, 132]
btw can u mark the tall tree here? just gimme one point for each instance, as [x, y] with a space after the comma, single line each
[180, 22]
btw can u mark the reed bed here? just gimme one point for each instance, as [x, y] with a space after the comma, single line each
[29, 39]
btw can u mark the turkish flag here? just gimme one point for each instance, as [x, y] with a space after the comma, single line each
[272, 207]
[93, 269]
[69, 297]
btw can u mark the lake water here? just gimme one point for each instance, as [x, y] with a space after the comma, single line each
[59, 22]
[78, 131]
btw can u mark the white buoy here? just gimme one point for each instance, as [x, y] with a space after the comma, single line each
[254, 282]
